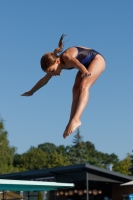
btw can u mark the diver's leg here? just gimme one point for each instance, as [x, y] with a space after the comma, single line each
[95, 68]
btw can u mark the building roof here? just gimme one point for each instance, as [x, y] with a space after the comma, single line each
[71, 173]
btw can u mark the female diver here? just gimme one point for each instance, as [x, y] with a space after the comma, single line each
[90, 65]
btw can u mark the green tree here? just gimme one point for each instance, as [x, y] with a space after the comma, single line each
[40, 197]
[61, 149]
[16, 159]
[47, 147]
[56, 159]
[102, 159]
[34, 158]
[123, 166]
[131, 165]
[90, 153]
[56, 156]
[6, 151]
[77, 151]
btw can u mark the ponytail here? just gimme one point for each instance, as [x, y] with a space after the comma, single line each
[60, 45]
[50, 58]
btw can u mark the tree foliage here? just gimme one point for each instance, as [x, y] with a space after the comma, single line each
[56, 156]
[47, 147]
[40, 196]
[6, 151]
[48, 155]
[131, 165]
[77, 151]
[34, 158]
[123, 165]
[57, 160]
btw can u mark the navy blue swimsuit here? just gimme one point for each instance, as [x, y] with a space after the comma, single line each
[85, 56]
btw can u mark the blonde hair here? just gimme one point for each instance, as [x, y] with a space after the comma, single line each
[50, 57]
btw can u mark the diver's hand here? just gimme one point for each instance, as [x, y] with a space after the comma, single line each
[85, 74]
[27, 94]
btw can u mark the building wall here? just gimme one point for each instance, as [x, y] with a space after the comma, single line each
[119, 191]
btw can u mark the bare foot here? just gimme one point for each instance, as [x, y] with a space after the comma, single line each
[71, 127]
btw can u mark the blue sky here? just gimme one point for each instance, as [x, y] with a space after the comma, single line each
[28, 30]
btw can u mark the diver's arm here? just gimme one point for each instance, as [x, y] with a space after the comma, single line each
[38, 85]
[72, 61]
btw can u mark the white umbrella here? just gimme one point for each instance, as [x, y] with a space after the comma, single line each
[128, 183]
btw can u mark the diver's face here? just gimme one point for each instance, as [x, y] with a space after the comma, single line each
[54, 69]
